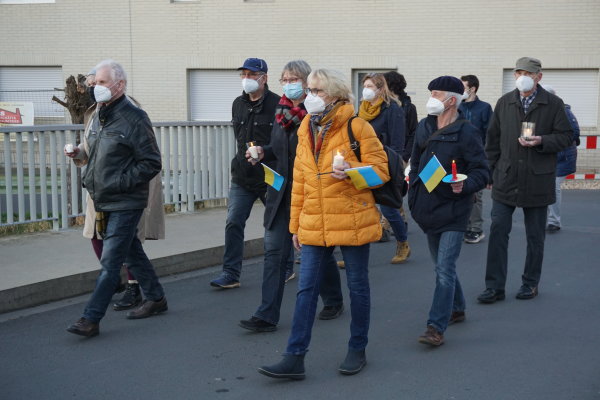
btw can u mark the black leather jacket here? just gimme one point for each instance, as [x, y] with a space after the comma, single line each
[123, 157]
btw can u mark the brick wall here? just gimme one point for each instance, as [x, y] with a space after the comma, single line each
[157, 41]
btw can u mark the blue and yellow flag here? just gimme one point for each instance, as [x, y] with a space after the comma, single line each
[364, 177]
[432, 174]
[272, 178]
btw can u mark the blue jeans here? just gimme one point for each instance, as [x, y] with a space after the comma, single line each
[278, 248]
[239, 206]
[396, 222]
[448, 295]
[121, 245]
[314, 260]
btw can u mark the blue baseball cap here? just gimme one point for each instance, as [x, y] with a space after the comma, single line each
[255, 64]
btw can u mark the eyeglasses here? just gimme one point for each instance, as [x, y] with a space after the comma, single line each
[289, 80]
[250, 74]
[313, 91]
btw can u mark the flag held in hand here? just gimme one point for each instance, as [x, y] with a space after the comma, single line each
[272, 178]
[363, 177]
[432, 174]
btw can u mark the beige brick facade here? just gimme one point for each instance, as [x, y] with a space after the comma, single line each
[158, 41]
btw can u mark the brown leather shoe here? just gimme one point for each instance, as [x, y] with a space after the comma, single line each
[457, 316]
[432, 337]
[148, 308]
[83, 327]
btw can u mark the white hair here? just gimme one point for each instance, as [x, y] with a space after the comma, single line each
[457, 96]
[117, 73]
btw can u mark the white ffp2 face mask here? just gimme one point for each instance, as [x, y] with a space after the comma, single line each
[369, 94]
[102, 94]
[524, 83]
[435, 106]
[250, 85]
[314, 104]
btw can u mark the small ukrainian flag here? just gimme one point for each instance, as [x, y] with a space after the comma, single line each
[272, 178]
[432, 174]
[363, 177]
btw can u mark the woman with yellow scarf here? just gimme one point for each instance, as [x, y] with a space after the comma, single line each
[384, 112]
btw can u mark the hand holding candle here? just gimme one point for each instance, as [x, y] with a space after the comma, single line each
[338, 160]
[253, 150]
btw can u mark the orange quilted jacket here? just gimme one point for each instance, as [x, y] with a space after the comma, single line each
[327, 211]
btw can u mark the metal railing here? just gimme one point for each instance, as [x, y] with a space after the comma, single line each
[38, 183]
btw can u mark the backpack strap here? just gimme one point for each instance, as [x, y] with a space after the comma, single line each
[354, 144]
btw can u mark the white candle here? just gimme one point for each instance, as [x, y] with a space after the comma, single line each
[253, 152]
[69, 148]
[527, 132]
[338, 160]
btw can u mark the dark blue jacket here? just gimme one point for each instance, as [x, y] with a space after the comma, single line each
[479, 113]
[410, 114]
[280, 152]
[442, 210]
[390, 126]
[566, 160]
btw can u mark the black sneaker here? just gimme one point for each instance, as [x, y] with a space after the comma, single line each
[553, 228]
[331, 312]
[474, 237]
[131, 298]
[257, 325]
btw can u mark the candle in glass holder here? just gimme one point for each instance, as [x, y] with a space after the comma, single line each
[527, 129]
[69, 148]
[338, 160]
[454, 172]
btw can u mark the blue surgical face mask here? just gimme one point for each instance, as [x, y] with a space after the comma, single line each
[293, 91]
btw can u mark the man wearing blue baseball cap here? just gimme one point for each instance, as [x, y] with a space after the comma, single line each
[252, 115]
[443, 211]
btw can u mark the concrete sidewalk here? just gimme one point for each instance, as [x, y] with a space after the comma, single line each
[48, 266]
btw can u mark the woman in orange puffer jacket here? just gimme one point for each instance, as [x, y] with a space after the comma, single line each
[328, 211]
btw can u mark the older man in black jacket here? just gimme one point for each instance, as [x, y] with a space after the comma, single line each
[253, 114]
[443, 212]
[523, 174]
[123, 158]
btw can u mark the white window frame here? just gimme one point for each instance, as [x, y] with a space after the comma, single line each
[26, 1]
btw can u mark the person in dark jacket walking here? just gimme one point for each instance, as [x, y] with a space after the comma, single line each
[382, 110]
[479, 113]
[566, 164]
[523, 174]
[397, 84]
[123, 157]
[252, 117]
[444, 212]
[278, 240]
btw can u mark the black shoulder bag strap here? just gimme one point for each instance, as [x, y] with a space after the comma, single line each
[354, 144]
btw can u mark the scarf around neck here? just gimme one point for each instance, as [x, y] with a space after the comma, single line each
[288, 116]
[369, 111]
[320, 124]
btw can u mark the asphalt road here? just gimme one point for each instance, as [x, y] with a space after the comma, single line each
[546, 348]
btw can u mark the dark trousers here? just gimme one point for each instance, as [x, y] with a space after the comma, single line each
[497, 256]
[278, 248]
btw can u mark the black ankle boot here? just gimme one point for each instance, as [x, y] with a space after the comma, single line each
[354, 362]
[131, 298]
[291, 367]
